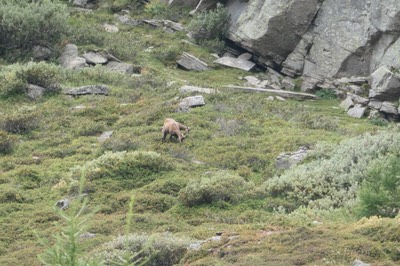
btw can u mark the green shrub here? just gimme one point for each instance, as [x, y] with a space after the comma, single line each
[222, 186]
[8, 194]
[158, 250]
[156, 8]
[333, 178]
[20, 121]
[26, 177]
[380, 192]
[6, 142]
[327, 94]
[15, 78]
[25, 24]
[153, 202]
[138, 166]
[211, 25]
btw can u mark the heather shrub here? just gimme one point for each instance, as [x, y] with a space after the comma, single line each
[6, 142]
[156, 8]
[221, 186]
[15, 78]
[20, 121]
[380, 192]
[333, 177]
[138, 166]
[157, 250]
[41, 22]
[210, 25]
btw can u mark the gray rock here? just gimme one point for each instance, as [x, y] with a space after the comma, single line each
[110, 28]
[127, 20]
[190, 62]
[358, 99]
[235, 63]
[375, 104]
[389, 108]
[359, 263]
[347, 103]
[106, 135]
[189, 89]
[358, 111]
[385, 85]
[252, 80]
[35, 92]
[353, 80]
[124, 68]
[95, 58]
[270, 28]
[288, 83]
[63, 204]
[288, 160]
[190, 102]
[90, 89]
[70, 58]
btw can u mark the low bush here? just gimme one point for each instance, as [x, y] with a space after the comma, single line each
[41, 22]
[156, 8]
[380, 192]
[221, 186]
[138, 166]
[6, 142]
[15, 78]
[157, 250]
[153, 202]
[20, 121]
[334, 176]
[8, 194]
[210, 25]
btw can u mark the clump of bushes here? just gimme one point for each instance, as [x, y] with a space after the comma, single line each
[15, 78]
[334, 177]
[211, 27]
[138, 166]
[6, 142]
[20, 121]
[160, 249]
[25, 24]
[221, 186]
[380, 192]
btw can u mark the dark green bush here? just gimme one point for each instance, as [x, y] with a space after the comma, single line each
[24, 24]
[211, 25]
[15, 78]
[326, 94]
[222, 186]
[156, 250]
[6, 142]
[20, 121]
[137, 166]
[380, 192]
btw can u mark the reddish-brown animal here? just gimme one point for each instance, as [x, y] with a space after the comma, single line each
[174, 128]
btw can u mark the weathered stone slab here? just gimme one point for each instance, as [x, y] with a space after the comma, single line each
[90, 89]
[106, 135]
[124, 68]
[35, 92]
[357, 111]
[186, 89]
[347, 103]
[290, 159]
[282, 93]
[70, 58]
[385, 85]
[190, 62]
[235, 63]
[94, 58]
[389, 108]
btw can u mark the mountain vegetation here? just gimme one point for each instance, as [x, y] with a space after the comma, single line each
[69, 196]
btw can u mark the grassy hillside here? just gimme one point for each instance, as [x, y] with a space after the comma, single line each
[221, 181]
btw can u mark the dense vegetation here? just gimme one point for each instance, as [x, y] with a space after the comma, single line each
[132, 198]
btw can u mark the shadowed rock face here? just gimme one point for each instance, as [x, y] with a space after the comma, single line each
[271, 28]
[319, 39]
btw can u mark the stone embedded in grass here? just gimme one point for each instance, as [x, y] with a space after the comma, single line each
[94, 58]
[191, 102]
[88, 90]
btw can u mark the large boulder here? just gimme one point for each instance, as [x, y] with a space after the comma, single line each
[385, 85]
[270, 28]
[348, 38]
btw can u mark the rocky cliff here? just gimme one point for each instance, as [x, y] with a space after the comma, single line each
[322, 40]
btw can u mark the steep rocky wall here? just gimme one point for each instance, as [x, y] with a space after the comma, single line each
[319, 39]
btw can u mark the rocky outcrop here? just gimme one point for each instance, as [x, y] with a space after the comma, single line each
[319, 39]
[270, 28]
